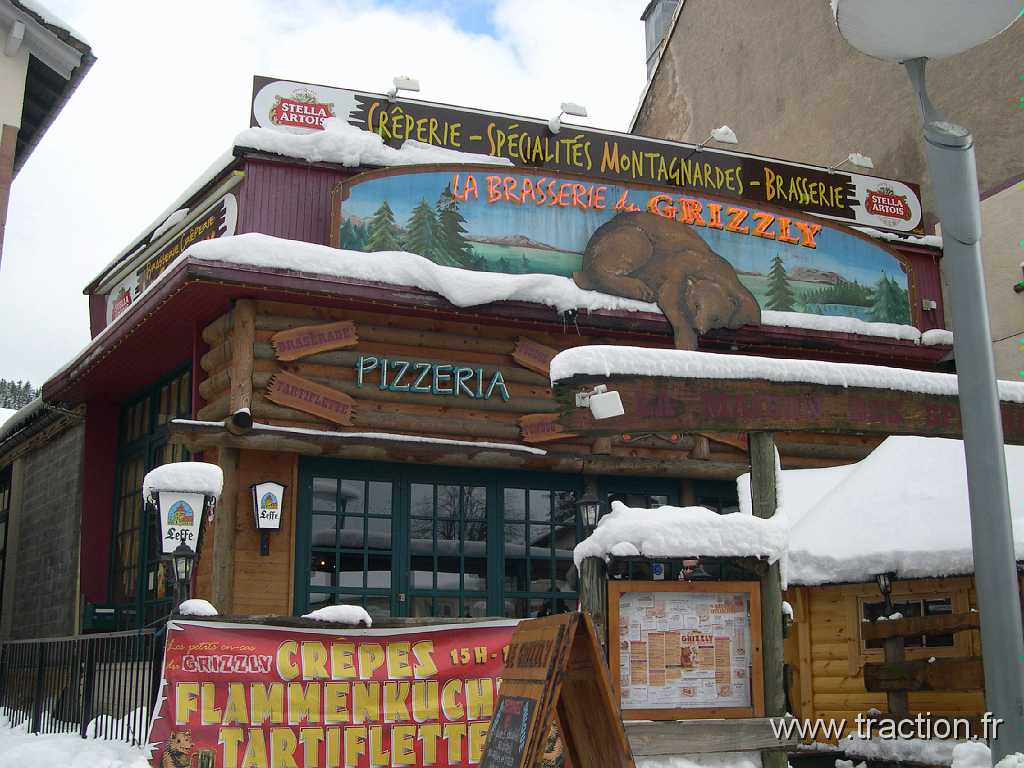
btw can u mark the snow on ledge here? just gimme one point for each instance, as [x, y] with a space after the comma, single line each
[932, 241]
[341, 614]
[603, 360]
[937, 337]
[184, 476]
[683, 532]
[385, 436]
[197, 607]
[347, 145]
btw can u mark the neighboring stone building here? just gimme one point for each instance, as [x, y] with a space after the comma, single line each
[42, 62]
[784, 79]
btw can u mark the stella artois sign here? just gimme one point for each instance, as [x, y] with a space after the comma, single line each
[301, 111]
[886, 203]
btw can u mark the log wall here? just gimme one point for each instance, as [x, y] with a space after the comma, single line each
[826, 656]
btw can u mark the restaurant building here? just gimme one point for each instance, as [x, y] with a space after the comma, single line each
[274, 321]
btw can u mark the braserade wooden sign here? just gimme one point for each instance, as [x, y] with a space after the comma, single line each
[555, 664]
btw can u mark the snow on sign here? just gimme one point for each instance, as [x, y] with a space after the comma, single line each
[685, 647]
[515, 222]
[296, 107]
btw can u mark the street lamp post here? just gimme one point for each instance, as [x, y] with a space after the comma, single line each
[926, 29]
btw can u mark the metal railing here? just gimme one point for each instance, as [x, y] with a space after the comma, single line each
[101, 686]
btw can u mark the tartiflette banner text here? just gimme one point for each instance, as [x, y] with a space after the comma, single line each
[239, 696]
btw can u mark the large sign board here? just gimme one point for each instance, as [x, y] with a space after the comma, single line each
[850, 197]
[514, 221]
[238, 695]
[685, 649]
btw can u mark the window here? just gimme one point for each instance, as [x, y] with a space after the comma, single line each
[719, 495]
[139, 576]
[911, 607]
[5, 510]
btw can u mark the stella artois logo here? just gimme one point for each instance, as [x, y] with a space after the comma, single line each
[886, 203]
[121, 303]
[300, 111]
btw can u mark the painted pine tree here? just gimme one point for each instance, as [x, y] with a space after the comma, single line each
[889, 303]
[422, 230]
[383, 233]
[451, 245]
[780, 293]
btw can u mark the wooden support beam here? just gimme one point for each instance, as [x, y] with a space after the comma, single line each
[919, 625]
[945, 674]
[896, 698]
[594, 595]
[764, 499]
[223, 563]
[243, 338]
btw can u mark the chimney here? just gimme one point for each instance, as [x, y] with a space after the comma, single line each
[657, 17]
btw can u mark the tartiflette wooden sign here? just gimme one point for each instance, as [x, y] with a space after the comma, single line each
[296, 343]
[534, 355]
[543, 428]
[291, 391]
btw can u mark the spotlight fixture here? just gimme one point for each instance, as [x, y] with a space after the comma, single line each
[602, 403]
[854, 158]
[723, 135]
[403, 83]
[568, 108]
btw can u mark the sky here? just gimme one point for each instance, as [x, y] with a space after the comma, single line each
[171, 88]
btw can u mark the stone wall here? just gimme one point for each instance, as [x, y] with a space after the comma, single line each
[45, 573]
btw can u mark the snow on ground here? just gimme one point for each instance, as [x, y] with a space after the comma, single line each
[184, 476]
[681, 532]
[714, 760]
[605, 360]
[341, 614]
[903, 508]
[197, 607]
[347, 145]
[925, 751]
[20, 749]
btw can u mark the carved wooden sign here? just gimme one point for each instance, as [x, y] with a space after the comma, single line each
[542, 428]
[533, 355]
[730, 405]
[291, 391]
[295, 343]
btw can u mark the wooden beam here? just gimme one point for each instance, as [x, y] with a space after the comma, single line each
[943, 674]
[919, 625]
[223, 564]
[764, 500]
[243, 338]
[658, 404]
[694, 737]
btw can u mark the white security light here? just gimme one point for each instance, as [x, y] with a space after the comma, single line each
[915, 29]
[602, 403]
[568, 108]
[854, 158]
[403, 83]
[723, 135]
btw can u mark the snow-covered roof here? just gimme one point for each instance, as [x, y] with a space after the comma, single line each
[50, 19]
[682, 532]
[19, 418]
[904, 508]
[184, 476]
[607, 360]
[5, 414]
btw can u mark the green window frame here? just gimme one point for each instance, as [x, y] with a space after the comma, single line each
[138, 584]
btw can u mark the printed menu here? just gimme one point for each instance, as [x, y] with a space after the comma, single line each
[684, 650]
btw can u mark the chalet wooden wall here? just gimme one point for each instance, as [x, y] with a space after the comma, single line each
[825, 652]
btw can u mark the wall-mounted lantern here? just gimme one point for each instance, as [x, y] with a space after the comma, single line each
[267, 509]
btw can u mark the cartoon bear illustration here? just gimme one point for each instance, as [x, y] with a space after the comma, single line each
[648, 257]
[178, 751]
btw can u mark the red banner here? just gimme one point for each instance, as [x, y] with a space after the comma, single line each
[250, 696]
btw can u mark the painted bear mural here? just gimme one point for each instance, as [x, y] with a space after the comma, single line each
[647, 257]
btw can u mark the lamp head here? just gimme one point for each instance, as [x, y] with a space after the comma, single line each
[589, 507]
[914, 29]
[403, 83]
[861, 161]
[724, 135]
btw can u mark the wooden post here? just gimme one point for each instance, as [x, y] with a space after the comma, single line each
[594, 595]
[243, 339]
[897, 700]
[223, 555]
[764, 495]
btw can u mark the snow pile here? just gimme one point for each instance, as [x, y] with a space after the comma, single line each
[681, 532]
[931, 241]
[19, 749]
[604, 360]
[197, 607]
[710, 760]
[341, 614]
[184, 476]
[924, 751]
[904, 509]
[839, 324]
[1016, 760]
[347, 145]
[936, 337]
[5, 414]
[175, 218]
